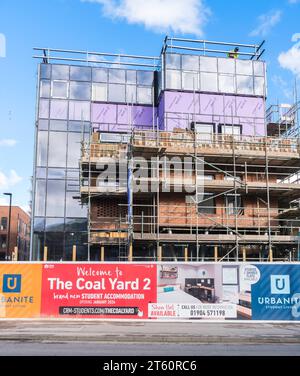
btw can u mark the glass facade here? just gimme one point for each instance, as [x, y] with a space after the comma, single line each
[65, 98]
[216, 75]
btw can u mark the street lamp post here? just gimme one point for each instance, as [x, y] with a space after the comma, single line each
[9, 221]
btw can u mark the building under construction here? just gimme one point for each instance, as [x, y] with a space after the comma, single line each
[180, 160]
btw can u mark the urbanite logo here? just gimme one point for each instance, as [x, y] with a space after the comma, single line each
[280, 284]
[11, 283]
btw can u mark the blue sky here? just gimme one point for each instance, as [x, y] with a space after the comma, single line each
[124, 26]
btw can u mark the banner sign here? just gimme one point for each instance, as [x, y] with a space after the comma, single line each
[164, 291]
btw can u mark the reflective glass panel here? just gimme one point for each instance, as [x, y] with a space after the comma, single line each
[59, 89]
[190, 62]
[80, 73]
[57, 149]
[259, 68]
[244, 84]
[116, 93]
[80, 90]
[79, 110]
[173, 79]
[131, 77]
[74, 146]
[226, 83]
[60, 72]
[45, 71]
[144, 78]
[56, 173]
[59, 109]
[117, 76]
[41, 173]
[99, 92]
[55, 198]
[45, 89]
[43, 124]
[42, 147]
[190, 81]
[73, 224]
[244, 67]
[44, 108]
[173, 61]
[58, 125]
[144, 95]
[130, 93]
[39, 224]
[209, 82]
[259, 86]
[77, 126]
[73, 207]
[226, 65]
[55, 224]
[40, 194]
[208, 64]
[100, 74]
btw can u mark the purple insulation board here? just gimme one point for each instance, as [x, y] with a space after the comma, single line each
[180, 109]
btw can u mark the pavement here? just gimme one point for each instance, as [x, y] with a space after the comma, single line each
[191, 332]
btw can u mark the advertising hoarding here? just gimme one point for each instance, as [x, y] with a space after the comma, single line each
[164, 291]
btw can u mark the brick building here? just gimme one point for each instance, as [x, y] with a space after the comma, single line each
[19, 233]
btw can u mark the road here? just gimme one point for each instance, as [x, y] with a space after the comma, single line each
[8, 348]
[92, 337]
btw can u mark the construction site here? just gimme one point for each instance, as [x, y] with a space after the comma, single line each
[199, 169]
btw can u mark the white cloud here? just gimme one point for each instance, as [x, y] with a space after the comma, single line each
[178, 16]
[2, 45]
[290, 59]
[8, 142]
[284, 87]
[294, 1]
[266, 22]
[7, 181]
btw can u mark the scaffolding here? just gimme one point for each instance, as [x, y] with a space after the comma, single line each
[250, 214]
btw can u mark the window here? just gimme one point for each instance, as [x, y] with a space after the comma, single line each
[207, 204]
[55, 198]
[144, 95]
[45, 89]
[173, 61]
[56, 173]
[259, 86]
[57, 149]
[117, 76]
[173, 79]
[234, 130]
[74, 140]
[79, 110]
[60, 72]
[3, 223]
[144, 78]
[40, 194]
[226, 83]
[208, 64]
[43, 125]
[204, 132]
[59, 109]
[44, 108]
[42, 148]
[80, 73]
[45, 71]
[116, 93]
[99, 92]
[130, 93]
[58, 125]
[80, 90]
[100, 74]
[244, 84]
[190, 62]
[59, 89]
[231, 208]
[208, 82]
[244, 67]
[131, 77]
[226, 66]
[190, 81]
[259, 68]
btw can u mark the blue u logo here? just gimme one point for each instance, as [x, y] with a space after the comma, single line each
[11, 283]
